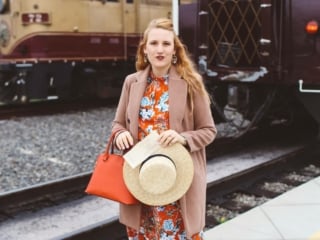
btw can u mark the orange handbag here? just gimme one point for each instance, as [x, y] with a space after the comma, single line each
[107, 177]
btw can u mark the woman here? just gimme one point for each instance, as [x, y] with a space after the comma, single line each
[166, 94]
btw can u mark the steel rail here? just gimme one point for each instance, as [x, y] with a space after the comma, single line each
[53, 192]
[113, 230]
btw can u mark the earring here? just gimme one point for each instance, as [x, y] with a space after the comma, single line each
[174, 59]
[145, 59]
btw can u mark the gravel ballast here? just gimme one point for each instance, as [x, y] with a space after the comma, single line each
[43, 148]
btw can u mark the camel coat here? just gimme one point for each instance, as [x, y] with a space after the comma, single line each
[196, 125]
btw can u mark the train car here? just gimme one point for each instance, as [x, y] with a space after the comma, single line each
[67, 48]
[260, 59]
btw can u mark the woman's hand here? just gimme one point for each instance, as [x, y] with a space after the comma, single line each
[170, 137]
[123, 140]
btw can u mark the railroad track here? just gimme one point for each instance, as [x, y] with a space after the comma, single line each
[218, 194]
[221, 194]
[43, 195]
[67, 189]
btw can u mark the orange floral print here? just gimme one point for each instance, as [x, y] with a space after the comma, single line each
[154, 107]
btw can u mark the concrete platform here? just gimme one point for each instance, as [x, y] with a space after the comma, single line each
[294, 215]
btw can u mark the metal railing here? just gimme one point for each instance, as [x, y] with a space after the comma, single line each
[234, 32]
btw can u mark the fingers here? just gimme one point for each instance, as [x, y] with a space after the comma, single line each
[124, 140]
[170, 137]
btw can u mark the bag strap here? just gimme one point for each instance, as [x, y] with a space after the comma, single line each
[110, 144]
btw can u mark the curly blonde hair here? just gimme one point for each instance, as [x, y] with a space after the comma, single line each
[185, 66]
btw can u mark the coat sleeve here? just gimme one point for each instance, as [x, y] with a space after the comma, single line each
[119, 122]
[204, 129]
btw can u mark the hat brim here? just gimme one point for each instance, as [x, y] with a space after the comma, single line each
[184, 169]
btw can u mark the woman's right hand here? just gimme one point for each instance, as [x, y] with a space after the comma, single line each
[124, 140]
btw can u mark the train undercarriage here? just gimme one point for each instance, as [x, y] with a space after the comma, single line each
[26, 83]
[245, 107]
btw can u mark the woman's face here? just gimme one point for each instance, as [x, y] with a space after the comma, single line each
[159, 49]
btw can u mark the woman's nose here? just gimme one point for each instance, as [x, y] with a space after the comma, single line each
[159, 48]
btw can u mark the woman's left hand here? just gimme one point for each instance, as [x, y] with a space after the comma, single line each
[170, 137]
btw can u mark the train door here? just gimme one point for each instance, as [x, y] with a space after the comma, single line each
[136, 16]
[106, 18]
[130, 15]
[126, 20]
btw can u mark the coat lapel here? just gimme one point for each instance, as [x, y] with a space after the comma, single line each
[178, 91]
[136, 94]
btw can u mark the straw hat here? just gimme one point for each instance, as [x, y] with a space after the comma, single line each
[162, 177]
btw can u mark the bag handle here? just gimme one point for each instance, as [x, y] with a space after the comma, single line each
[111, 143]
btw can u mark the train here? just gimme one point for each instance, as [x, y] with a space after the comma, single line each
[62, 49]
[259, 58]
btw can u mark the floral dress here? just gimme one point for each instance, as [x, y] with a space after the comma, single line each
[158, 222]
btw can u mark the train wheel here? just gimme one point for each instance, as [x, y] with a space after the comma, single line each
[6, 90]
[13, 88]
